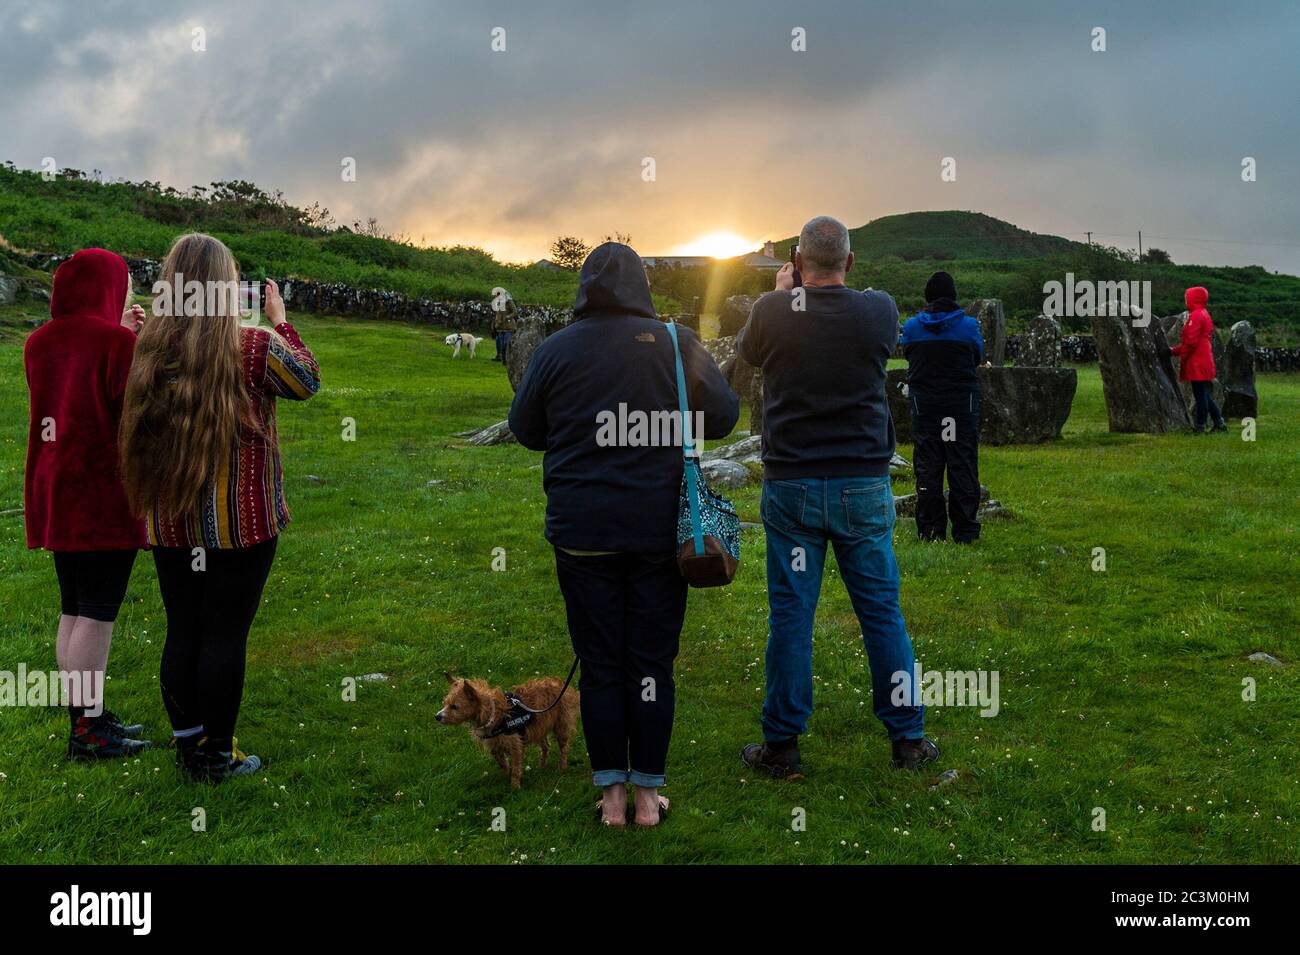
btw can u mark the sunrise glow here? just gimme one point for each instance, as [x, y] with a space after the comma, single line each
[720, 245]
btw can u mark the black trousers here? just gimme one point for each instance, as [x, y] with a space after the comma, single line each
[932, 457]
[92, 583]
[209, 614]
[625, 619]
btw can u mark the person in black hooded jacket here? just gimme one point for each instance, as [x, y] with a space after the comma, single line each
[944, 348]
[611, 511]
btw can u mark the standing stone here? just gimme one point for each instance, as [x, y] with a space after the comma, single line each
[745, 380]
[1137, 376]
[993, 327]
[734, 314]
[1040, 346]
[1171, 322]
[1018, 405]
[528, 336]
[900, 406]
[8, 290]
[1240, 400]
[689, 320]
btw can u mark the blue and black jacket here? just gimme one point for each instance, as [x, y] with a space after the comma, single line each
[944, 349]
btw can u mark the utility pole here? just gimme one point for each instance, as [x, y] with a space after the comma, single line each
[1139, 245]
[1090, 238]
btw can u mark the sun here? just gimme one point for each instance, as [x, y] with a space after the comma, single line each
[720, 245]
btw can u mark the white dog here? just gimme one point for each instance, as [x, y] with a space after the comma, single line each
[457, 339]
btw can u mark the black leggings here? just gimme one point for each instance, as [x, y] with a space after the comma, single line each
[209, 614]
[92, 583]
[625, 619]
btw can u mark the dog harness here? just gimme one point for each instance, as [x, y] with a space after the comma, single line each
[521, 714]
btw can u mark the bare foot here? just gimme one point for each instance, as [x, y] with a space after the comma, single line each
[613, 806]
[648, 805]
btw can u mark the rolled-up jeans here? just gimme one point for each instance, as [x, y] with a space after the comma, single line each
[855, 516]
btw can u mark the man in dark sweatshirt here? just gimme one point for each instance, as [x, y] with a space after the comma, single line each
[944, 348]
[589, 398]
[827, 442]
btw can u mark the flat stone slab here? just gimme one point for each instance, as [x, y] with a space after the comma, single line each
[1017, 405]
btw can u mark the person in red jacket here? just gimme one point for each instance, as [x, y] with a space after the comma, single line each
[1196, 358]
[74, 503]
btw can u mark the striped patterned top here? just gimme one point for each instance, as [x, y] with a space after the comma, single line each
[245, 504]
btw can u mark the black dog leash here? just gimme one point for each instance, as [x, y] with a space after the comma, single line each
[521, 714]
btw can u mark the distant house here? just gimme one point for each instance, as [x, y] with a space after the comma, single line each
[548, 265]
[754, 260]
[763, 260]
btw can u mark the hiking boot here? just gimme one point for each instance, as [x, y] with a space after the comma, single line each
[93, 737]
[1221, 427]
[914, 753]
[203, 764]
[778, 760]
[130, 730]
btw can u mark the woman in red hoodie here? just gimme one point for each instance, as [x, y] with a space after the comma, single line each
[75, 506]
[1196, 356]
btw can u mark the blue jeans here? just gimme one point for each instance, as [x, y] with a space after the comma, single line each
[856, 516]
[502, 340]
[1203, 392]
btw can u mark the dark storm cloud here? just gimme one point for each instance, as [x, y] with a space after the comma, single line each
[455, 142]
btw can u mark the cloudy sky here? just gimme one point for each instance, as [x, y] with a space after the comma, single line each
[457, 143]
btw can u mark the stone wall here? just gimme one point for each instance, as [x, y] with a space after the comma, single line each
[337, 298]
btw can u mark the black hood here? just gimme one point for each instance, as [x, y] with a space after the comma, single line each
[613, 282]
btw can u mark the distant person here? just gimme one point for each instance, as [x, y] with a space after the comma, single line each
[201, 457]
[944, 349]
[827, 442]
[611, 514]
[74, 504]
[1196, 359]
[505, 322]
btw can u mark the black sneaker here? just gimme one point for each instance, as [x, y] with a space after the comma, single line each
[780, 760]
[95, 738]
[1221, 427]
[131, 730]
[202, 764]
[914, 753]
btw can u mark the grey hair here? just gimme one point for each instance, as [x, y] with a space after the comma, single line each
[824, 244]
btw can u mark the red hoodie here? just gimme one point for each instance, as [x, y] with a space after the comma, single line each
[1196, 351]
[77, 365]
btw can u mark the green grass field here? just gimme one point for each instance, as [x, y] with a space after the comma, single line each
[1119, 689]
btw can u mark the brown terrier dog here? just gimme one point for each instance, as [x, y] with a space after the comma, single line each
[486, 710]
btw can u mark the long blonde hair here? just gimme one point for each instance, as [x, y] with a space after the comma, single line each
[186, 399]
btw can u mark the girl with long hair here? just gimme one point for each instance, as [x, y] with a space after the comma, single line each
[201, 462]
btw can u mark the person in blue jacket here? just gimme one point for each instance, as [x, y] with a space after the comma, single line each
[944, 349]
[611, 512]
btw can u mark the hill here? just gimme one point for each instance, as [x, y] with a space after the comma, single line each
[948, 236]
[268, 236]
